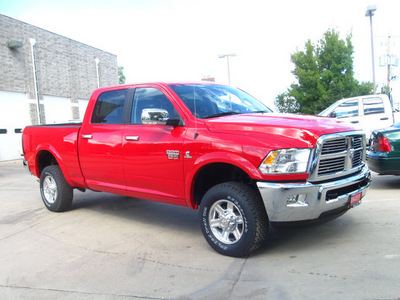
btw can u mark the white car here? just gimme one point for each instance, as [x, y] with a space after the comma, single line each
[366, 113]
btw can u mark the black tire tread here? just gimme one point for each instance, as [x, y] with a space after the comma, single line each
[257, 209]
[65, 191]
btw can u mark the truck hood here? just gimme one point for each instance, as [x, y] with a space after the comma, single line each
[302, 128]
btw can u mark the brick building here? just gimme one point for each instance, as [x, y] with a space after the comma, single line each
[38, 66]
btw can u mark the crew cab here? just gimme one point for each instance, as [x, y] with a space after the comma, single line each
[205, 146]
[366, 113]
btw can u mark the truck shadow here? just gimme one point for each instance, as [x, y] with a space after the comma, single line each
[184, 220]
[138, 210]
[308, 236]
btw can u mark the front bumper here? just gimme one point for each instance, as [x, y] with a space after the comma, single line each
[313, 199]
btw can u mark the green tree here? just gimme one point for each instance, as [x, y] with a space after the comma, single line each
[324, 73]
[121, 75]
[287, 104]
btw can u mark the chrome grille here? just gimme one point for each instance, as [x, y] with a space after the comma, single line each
[329, 166]
[357, 142]
[357, 158]
[337, 155]
[334, 146]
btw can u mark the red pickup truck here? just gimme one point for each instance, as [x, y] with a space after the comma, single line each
[205, 146]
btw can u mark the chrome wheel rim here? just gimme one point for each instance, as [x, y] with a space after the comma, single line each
[226, 221]
[50, 189]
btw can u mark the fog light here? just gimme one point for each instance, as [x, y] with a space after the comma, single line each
[296, 200]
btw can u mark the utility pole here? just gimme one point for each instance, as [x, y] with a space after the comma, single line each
[389, 74]
[389, 60]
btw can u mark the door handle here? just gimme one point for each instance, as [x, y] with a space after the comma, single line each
[87, 136]
[354, 122]
[384, 118]
[132, 138]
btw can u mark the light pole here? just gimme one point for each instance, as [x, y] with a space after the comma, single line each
[369, 13]
[227, 61]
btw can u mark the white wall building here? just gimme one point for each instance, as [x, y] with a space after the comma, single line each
[38, 66]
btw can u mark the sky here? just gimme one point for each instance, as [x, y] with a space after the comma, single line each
[181, 40]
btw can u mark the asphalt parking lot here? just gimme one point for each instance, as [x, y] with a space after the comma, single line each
[113, 247]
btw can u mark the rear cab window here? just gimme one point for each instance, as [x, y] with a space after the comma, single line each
[109, 107]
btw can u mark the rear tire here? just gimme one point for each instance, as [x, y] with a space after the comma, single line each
[56, 193]
[233, 219]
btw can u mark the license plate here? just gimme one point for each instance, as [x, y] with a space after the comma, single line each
[355, 199]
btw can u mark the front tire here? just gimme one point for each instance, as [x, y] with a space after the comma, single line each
[233, 219]
[56, 193]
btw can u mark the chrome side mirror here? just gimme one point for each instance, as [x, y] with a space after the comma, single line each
[154, 116]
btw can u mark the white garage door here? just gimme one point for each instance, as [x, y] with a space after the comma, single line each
[57, 109]
[14, 116]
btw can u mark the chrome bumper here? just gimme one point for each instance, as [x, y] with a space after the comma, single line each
[290, 202]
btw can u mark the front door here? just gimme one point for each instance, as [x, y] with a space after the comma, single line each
[153, 154]
[349, 112]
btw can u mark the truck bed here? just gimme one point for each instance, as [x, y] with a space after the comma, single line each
[62, 139]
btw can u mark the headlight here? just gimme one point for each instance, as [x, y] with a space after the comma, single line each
[286, 161]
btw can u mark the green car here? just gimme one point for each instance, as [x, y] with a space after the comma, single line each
[383, 154]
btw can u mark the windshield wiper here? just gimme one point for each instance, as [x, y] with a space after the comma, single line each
[259, 112]
[228, 113]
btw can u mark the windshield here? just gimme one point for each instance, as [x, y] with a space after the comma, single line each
[323, 113]
[208, 101]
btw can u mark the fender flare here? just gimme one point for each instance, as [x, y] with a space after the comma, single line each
[216, 157]
[49, 148]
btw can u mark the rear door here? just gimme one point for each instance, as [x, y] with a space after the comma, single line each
[376, 115]
[100, 142]
[153, 154]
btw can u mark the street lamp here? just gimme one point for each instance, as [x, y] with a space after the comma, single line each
[227, 60]
[369, 13]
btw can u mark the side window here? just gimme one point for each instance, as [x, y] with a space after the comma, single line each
[373, 106]
[150, 98]
[347, 109]
[109, 107]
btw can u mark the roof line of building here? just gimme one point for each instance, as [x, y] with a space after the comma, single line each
[56, 34]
